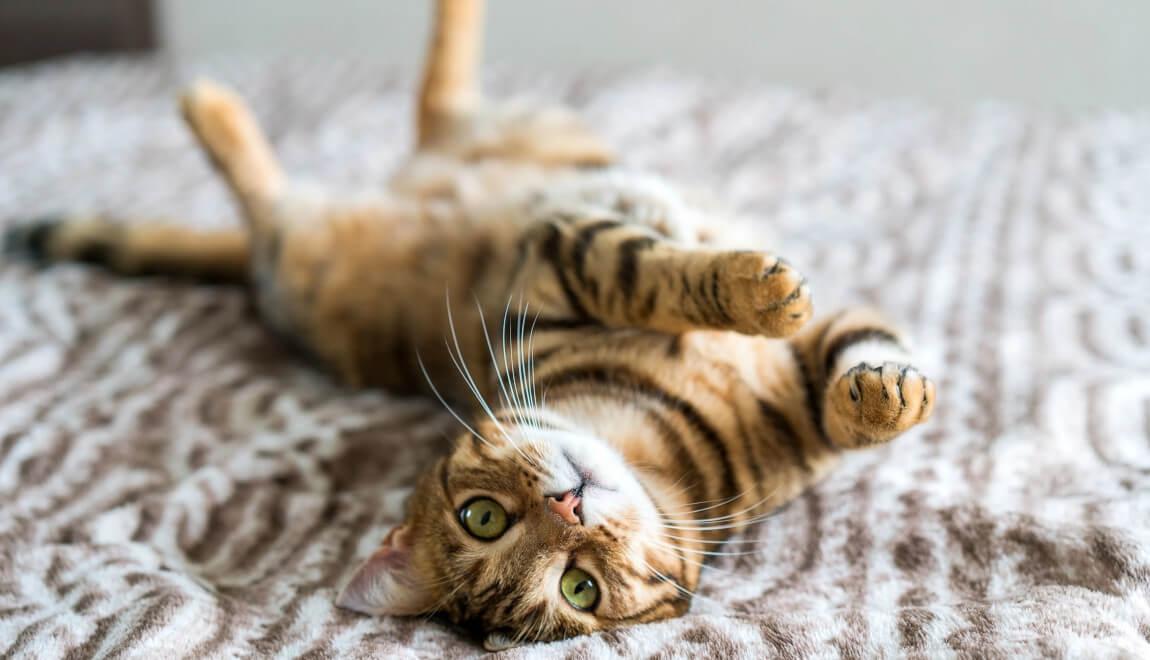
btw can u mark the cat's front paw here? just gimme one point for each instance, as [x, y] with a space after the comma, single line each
[767, 295]
[873, 403]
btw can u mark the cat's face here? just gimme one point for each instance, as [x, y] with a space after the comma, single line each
[536, 534]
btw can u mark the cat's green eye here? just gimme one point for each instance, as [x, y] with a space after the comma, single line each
[483, 518]
[579, 589]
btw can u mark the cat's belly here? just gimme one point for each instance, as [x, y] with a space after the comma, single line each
[371, 297]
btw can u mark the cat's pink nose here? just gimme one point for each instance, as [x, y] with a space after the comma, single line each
[566, 507]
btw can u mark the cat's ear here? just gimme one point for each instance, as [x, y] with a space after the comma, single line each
[388, 583]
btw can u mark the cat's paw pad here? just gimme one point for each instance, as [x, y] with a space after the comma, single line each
[878, 402]
[768, 295]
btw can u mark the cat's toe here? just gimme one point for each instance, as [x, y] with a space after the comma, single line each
[881, 401]
[775, 297]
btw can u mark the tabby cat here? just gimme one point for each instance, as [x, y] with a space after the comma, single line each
[635, 392]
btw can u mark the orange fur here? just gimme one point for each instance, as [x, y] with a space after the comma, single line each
[601, 345]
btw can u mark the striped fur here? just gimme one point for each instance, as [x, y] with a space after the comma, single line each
[591, 344]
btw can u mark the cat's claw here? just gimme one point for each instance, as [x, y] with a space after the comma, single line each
[880, 401]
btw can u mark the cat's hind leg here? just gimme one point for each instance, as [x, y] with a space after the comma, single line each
[864, 377]
[450, 88]
[455, 120]
[232, 139]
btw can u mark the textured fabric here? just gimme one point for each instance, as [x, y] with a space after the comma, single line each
[174, 482]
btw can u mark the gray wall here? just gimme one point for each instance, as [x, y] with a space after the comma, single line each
[1050, 53]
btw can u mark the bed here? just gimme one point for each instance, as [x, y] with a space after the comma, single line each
[173, 483]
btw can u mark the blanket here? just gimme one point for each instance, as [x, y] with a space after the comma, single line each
[174, 483]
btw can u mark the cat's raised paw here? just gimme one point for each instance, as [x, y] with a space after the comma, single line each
[767, 295]
[877, 402]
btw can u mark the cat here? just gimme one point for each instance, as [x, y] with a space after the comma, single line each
[636, 390]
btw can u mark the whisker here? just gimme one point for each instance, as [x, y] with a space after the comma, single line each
[451, 594]
[435, 391]
[706, 541]
[510, 393]
[460, 365]
[504, 333]
[709, 553]
[718, 503]
[515, 401]
[680, 588]
[738, 526]
[702, 565]
[524, 387]
[505, 391]
[531, 364]
[501, 369]
[527, 361]
[696, 522]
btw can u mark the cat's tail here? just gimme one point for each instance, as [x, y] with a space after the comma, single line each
[232, 139]
[134, 249]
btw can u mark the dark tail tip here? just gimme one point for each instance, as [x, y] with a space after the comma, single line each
[30, 240]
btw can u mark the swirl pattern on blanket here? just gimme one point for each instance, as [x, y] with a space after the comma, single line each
[172, 480]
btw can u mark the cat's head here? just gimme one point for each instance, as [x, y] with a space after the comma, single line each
[539, 533]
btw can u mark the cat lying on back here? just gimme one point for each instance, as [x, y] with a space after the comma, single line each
[638, 393]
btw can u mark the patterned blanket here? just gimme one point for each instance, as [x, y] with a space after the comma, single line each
[174, 484]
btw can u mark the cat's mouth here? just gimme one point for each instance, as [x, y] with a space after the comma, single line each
[568, 504]
[585, 466]
[586, 477]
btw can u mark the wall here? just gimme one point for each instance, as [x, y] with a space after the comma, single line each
[1050, 53]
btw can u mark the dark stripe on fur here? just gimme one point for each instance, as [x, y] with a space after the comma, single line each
[691, 311]
[753, 459]
[718, 299]
[96, 253]
[785, 433]
[649, 303]
[551, 251]
[643, 614]
[627, 272]
[581, 244]
[814, 399]
[703, 301]
[698, 296]
[844, 341]
[682, 452]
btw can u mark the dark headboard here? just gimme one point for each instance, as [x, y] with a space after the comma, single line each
[35, 29]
